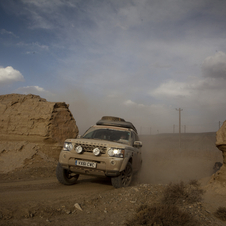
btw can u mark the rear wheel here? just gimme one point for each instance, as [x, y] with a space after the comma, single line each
[125, 178]
[65, 176]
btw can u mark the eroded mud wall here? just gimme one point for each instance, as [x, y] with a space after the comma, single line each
[29, 124]
[30, 115]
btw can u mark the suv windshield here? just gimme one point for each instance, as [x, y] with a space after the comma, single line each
[108, 134]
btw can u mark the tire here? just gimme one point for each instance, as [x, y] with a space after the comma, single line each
[125, 177]
[66, 177]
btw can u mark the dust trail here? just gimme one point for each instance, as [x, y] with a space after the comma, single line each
[164, 162]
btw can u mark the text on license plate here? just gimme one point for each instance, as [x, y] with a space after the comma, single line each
[85, 164]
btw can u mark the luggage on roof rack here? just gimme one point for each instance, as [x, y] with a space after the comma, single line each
[115, 121]
[112, 118]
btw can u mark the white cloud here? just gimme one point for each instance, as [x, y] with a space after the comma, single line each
[173, 89]
[33, 45]
[131, 103]
[5, 32]
[46, 5]
[34, 90]
[194, 93]
[44, 13]
[215, 66]
[10, 75]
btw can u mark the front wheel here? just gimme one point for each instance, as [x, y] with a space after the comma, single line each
[125, 177]
[65, 176]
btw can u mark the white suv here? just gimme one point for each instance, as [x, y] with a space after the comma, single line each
[110, 148]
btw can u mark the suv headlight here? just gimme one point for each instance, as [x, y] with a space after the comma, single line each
[116, 152]
[68, 146]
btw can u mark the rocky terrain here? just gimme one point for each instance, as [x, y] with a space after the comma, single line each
[179, 182]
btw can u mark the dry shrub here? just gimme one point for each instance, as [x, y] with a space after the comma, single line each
[180, 193]
[194, 183]
[221, 213]
[168, 213]
[194, 195]
[164, 215]
[194, 191]
[174, 193]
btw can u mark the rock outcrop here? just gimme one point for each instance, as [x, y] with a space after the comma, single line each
[32, 116]
[31, 125]
[221, 145]
[221, 141]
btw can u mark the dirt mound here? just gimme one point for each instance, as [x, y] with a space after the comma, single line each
[220, 175]
[31, 125]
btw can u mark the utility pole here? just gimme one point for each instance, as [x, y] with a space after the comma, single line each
[179, 125]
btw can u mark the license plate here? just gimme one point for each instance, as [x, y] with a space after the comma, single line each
[85, 164]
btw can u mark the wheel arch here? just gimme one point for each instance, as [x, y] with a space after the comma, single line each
[125, 162]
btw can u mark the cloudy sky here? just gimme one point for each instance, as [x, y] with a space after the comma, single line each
[136, 59]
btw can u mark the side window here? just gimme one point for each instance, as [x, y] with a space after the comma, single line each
[136, 137]
[133, 137]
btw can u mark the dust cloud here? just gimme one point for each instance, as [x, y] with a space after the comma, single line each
[89, 107]
[86, 108]
[164, 161]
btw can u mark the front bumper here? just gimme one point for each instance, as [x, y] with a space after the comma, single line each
[105, 165]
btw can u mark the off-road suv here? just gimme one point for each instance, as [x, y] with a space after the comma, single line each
[110, 148]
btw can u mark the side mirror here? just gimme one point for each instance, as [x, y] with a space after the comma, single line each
[137, 144]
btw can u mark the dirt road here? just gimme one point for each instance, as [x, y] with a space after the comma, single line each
[35, 201]
[48, 189]
[31, 195]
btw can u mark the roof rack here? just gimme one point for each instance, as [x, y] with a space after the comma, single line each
[115, 121]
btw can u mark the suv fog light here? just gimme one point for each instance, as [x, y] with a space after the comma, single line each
[96, 151]
[78, 149]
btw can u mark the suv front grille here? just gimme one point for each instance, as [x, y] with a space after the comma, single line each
[89, 147]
